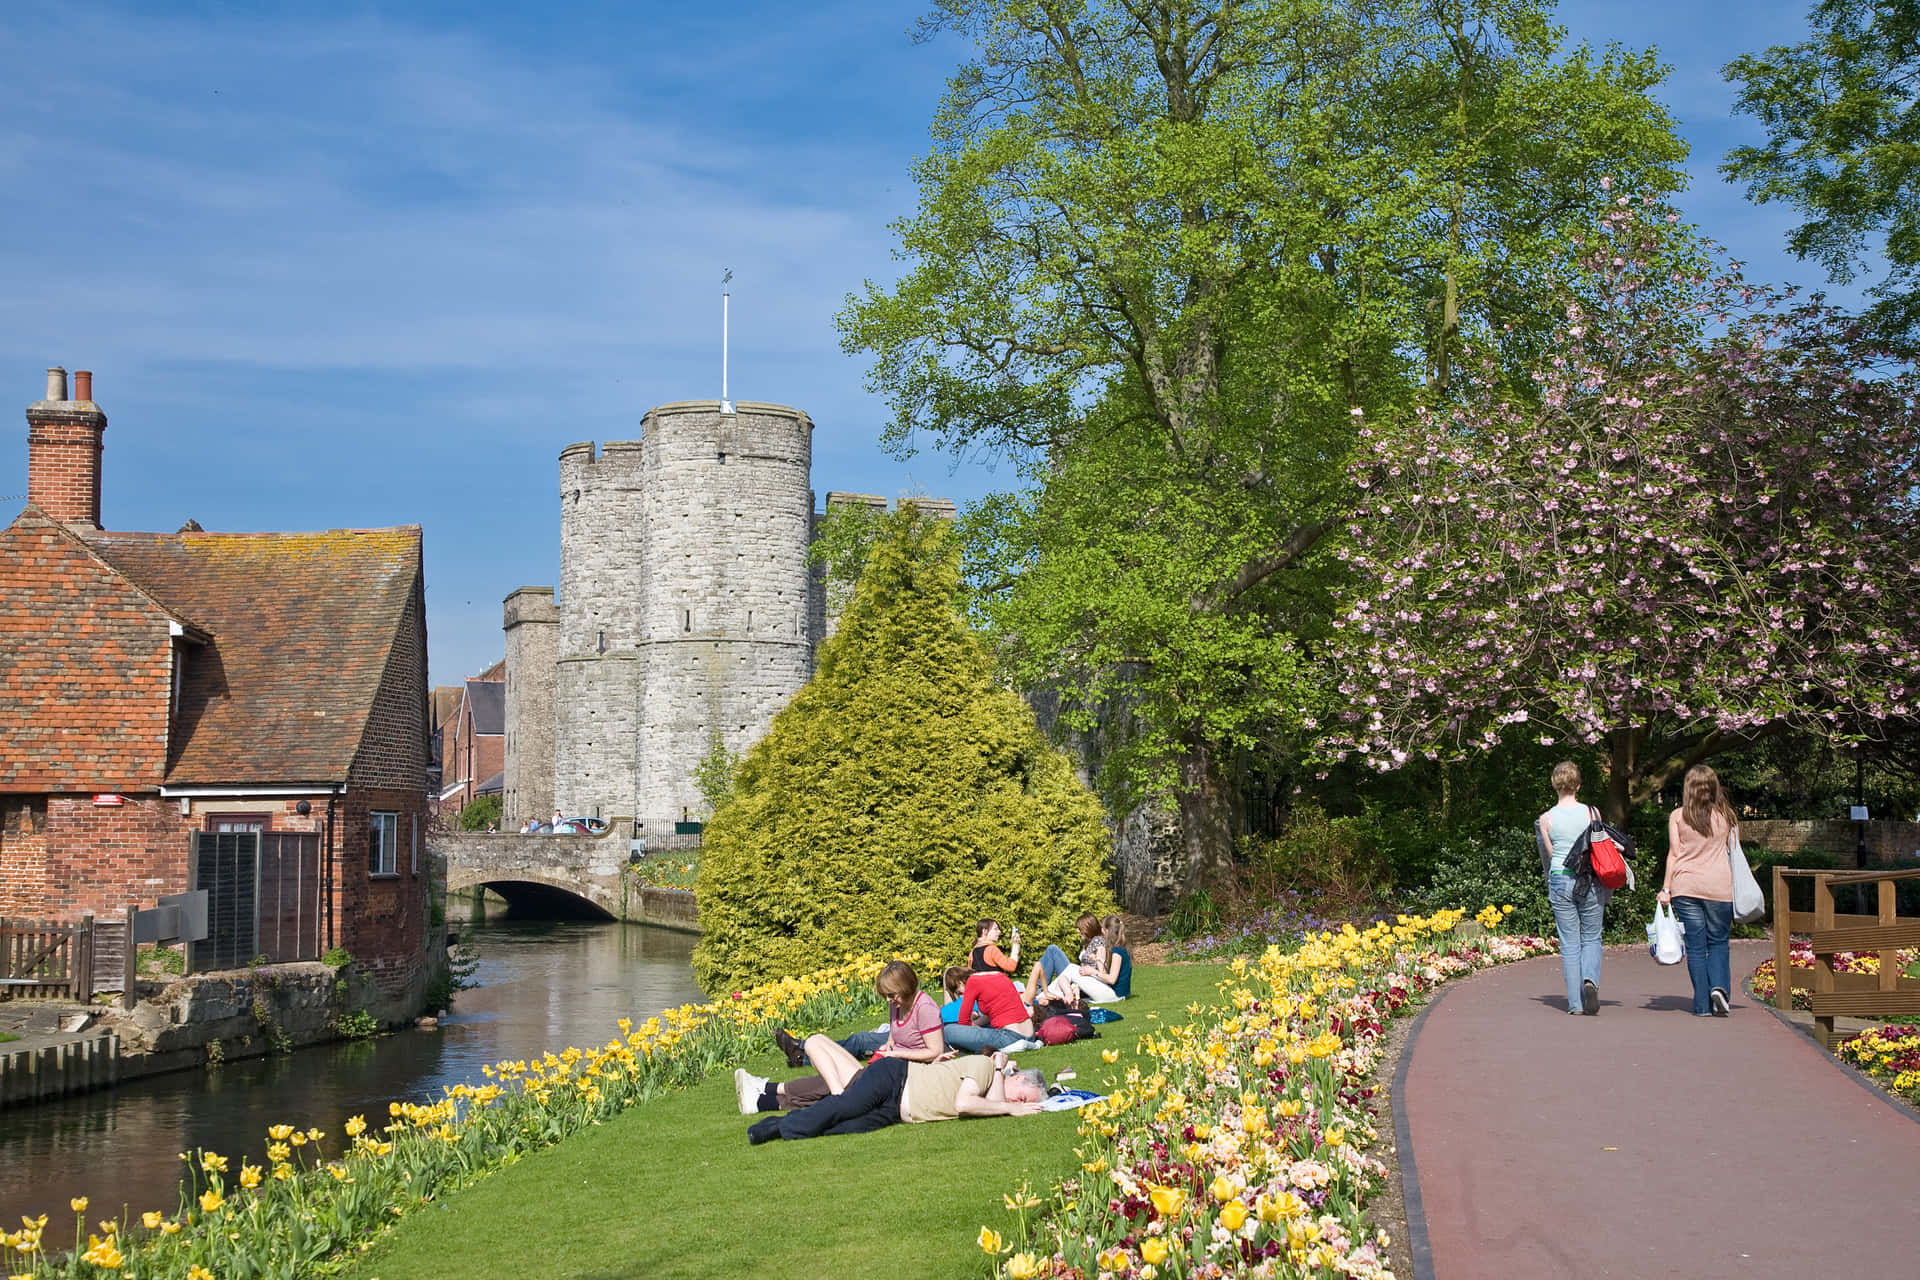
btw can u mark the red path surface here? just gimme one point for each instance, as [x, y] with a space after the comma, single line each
[1646, 1142]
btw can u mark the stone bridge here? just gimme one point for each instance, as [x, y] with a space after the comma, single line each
[571, 874]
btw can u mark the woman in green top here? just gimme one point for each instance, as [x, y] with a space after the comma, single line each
[1577, 920]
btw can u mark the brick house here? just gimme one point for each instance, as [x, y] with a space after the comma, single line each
[153, 685]
[473, 753]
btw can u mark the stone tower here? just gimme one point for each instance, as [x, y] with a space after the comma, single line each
[531, 625]
[685, 602]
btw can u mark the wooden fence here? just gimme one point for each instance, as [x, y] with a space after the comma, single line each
[47, 958]
[1889, 993]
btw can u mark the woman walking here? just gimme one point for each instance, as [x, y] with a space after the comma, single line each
[1699, 885]
[1576, 919]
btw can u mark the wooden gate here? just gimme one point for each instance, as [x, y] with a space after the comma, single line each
[47, 959]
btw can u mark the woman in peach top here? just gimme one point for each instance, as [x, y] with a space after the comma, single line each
[1699, 885]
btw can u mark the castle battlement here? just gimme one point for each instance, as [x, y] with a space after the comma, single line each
[686, 605]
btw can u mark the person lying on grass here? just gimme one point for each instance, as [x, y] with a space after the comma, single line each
[913, 1023]
[895, 1091]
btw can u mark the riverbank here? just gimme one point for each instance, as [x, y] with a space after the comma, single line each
[543, 984]
[671, 1188]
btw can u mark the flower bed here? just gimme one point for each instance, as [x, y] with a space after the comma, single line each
[1891, 1055]
[1288, 919]
[666, 873]
[1800, 956]
[1238, 1145]
[310, 1203]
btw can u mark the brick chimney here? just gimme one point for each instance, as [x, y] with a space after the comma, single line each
[63, 450]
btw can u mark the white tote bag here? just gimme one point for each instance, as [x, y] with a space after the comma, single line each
[1748, 902]
[1667, 945]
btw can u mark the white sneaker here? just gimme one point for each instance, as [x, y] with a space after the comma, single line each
[1718, 1000]
[748, 1089]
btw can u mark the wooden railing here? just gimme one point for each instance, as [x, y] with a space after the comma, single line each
[47, 958]
[1889, 993]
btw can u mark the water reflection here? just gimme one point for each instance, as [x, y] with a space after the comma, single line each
[544, 985]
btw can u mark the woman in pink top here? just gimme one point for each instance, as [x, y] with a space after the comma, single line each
[1699, 885]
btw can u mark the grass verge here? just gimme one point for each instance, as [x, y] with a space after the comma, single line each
[671, 1188]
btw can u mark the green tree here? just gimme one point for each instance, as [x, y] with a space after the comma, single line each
[1164, 251]
[480, 813]
[713, 776]
[899, 797]
[1842, 114]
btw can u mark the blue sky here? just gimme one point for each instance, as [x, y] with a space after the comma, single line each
[360, 264]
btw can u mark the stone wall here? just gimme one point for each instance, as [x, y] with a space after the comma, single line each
[532, 627]
[1886, 841]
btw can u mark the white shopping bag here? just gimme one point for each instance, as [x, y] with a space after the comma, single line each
[1667, 945]
[1749, 904]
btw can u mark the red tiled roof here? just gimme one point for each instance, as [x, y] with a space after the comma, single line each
[84, 666]
[302, 626]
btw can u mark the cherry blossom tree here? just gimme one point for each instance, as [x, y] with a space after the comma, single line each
[1696, 530]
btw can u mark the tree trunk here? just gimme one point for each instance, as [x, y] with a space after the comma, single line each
[1205, 821]
[1620, 777]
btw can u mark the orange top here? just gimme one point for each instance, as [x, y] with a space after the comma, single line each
[1697, 865]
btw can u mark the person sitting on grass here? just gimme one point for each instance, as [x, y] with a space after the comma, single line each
[1055, 978]
[986, 953]
[1008, 1020]
[1118, 975]
[896, 1091]
[953, 981]
[913, 1023]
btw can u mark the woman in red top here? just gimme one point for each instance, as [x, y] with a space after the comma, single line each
[991, 996]
[987, 955]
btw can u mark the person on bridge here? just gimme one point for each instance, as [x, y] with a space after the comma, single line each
[1699, 885]
[895, 1091]
[1576, 919]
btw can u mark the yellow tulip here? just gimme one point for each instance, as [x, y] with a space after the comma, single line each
[989, 1240]
[79, 1204]
[1232, 1214]
[1154, 1250]
[249, 1175]
[151, 1220]
[211, 1200]
[1168, 1201]
[1222, 1188]
[1023, 1266]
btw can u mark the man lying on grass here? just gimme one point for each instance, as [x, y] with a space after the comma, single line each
[892, 1091]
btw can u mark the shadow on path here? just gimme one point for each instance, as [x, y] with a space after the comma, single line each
[1645, 1141]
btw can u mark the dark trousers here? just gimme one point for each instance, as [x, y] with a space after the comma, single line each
[871, 1101]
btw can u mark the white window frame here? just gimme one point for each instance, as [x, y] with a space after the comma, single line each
[414, 825]
[383, 843]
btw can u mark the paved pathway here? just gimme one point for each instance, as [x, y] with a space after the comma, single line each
[1646, 1142]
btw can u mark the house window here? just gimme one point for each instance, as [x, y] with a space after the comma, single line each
[239, 821]
[383, 844]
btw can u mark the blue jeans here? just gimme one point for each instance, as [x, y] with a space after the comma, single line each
[864, 1044]
[870, 1101]
[1054, 962]
[1707, 924]
[1577, 920]
[971, 1039]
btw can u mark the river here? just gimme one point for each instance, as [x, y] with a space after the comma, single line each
[543, 985]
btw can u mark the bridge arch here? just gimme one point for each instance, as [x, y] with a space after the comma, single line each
[536, 890]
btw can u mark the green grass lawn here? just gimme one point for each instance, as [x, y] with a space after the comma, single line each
[6, 1036]
[672, 1188]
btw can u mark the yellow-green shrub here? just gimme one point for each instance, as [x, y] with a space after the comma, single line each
[899, 797]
